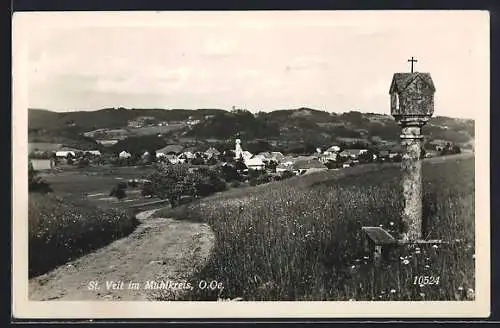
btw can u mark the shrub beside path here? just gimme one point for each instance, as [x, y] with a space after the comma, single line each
[160, 249]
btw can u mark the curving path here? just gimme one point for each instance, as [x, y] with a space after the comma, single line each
[160, 249]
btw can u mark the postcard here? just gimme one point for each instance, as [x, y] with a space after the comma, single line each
[252, 164]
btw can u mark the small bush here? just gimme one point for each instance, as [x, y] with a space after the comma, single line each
[287, 175]
[35, 183]
[118, 191]
[235, 184]
[147, 189]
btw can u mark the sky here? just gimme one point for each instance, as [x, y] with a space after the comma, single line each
[260, 61]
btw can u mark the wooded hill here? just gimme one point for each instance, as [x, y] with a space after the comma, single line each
[294, 126]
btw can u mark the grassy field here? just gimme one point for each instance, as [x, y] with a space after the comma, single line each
[62, 229]
[92, 180]
[79, 216]
[299, 239]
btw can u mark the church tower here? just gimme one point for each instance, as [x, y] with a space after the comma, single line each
[238, 151]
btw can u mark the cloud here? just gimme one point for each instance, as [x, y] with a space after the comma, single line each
[307, 62]
[219, 47]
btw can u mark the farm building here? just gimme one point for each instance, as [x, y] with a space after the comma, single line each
[168, 158]
[93, 152]
[107, 142]
[255, 163]
[264, 156]
[141, 121]
[276, 156]
[438, 144]
[352, 153]
[325, 158]
[170, 149]
[64, 152]
[187, 155]
[212, 152]
[124, 154]
[309, 166]
[332, 150]
[395, 151]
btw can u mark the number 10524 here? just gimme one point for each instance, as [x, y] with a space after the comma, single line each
[426, 280]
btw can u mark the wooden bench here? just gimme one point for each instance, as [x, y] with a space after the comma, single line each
[377, 241]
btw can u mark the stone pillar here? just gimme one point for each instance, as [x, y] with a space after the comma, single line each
[411, 166]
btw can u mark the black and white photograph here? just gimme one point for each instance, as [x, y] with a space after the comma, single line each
[251, 163]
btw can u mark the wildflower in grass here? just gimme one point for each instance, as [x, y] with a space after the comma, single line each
[427, 266]
[393, 291]
[405, 262]
[421, 285]
[435, 246]
[422, 295]
[470, 294]
[460, 288]
[417, 251]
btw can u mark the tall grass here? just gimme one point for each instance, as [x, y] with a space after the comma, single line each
[300, 239]
[62, 229]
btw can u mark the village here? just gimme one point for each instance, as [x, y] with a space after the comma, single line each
[333, 157]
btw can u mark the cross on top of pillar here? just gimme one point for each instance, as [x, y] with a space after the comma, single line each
[412, 60]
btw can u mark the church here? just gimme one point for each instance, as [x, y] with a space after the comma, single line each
[251, 162]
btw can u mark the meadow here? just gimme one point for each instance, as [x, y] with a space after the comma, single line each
[77, 181]
[299, 239]
[79, 216]
[62, 229]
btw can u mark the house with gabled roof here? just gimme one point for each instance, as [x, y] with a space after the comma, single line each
[332, 150]
[212, 152]
[306, 166]
[352, 153]
[276, 156]
[170, 149]
[255, 163]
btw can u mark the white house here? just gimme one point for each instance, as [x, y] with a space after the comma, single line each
[255, 164]
[124, 154]
[353, 153]
[276, 156]
[65, 153]
[263, 156]
[187, 154]
[325, 158]
[93, 152]
[284, 167]
[168, 158]
[212, 152]
[332, 150]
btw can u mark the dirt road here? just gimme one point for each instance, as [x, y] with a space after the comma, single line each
[158, 250]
